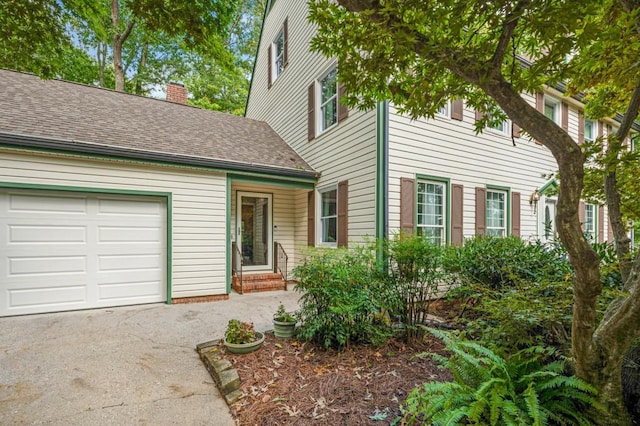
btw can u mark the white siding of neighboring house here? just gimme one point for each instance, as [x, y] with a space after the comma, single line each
[199, 212]
[344, 152]
[288, 215]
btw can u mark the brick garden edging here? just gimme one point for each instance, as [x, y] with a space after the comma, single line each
[225, 377]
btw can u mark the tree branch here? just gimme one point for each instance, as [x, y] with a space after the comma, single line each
[508, 27]
[612, 194]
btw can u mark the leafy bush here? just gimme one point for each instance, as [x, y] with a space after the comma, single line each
[414, 275]
[520, 294]
[487, 389]
[341, 300]
[239, 332]
[496, 263]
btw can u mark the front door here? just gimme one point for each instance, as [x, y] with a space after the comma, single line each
[253, 233]
[549, 219]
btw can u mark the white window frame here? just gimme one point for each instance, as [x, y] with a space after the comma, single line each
[445, 111]
[320, 104]
[421, 226]
[495, 230]
[277, 64]
[555, 103]
[322, 218]
[591, 226]
[593, 125]
[506, 127]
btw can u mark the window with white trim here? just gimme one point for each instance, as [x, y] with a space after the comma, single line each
[329, 216]
[328, 110]
[552, 109]
[278, 55]
[589, 130]
[445, 110]
[590, 221]
[432, 208]
[496, 213]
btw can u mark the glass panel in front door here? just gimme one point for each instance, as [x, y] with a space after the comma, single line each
[550, 219]
[255, 231]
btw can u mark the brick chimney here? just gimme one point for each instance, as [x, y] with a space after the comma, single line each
[177, 93]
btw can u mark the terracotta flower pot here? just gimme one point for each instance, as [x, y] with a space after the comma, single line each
[283, 330]
[245, 348]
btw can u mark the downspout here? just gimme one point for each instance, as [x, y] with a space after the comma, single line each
[382, 176]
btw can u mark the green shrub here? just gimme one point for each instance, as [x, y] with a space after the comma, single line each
[520, 294]
[341, 299]
[496, 263]
[489, 390]
[414, 275]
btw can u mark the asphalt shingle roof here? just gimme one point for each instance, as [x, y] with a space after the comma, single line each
[99, 119]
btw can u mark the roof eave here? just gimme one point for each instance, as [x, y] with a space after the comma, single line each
[70, 146]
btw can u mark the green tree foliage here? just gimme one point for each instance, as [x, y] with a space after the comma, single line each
[525, 389]
[138, 45]
[421, 53]
[33, 36]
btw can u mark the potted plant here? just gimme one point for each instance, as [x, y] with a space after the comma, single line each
[242, 338]
[284, 323]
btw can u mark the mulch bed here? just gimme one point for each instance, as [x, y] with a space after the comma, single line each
[288, 382]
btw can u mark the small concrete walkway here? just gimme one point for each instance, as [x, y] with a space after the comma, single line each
[123, 366]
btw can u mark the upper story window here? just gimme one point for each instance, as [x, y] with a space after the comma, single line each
[552, 109]
[496, 212]
[445, 110]
[432, 207]
[589, 130]
[278, 53]
[590, 221]
[325, 108]
[329, 100]
[329, 216]
[501, 127]
[278, 60]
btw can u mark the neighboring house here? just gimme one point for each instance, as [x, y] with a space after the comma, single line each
[382, 173]
[111, 199]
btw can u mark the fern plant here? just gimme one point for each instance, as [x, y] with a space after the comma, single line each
[490, 390]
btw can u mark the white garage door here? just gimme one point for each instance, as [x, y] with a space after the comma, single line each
[65, 251]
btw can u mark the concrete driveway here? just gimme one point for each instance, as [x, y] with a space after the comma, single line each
[124, 366]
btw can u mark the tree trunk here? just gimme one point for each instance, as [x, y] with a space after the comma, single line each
[118, 41]
[141, 66]
[598, 353]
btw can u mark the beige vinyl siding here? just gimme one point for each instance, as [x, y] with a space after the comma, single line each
[347, 151]
[199, 213]
[288, 215]
[450, 149]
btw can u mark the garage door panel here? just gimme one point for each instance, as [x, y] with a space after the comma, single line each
[130, 234]
[120, 262]
[41, 204]
[63, 252]
[145, 292]
[130, 208]
[46, 265]
[46, 234]
[47, 299]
